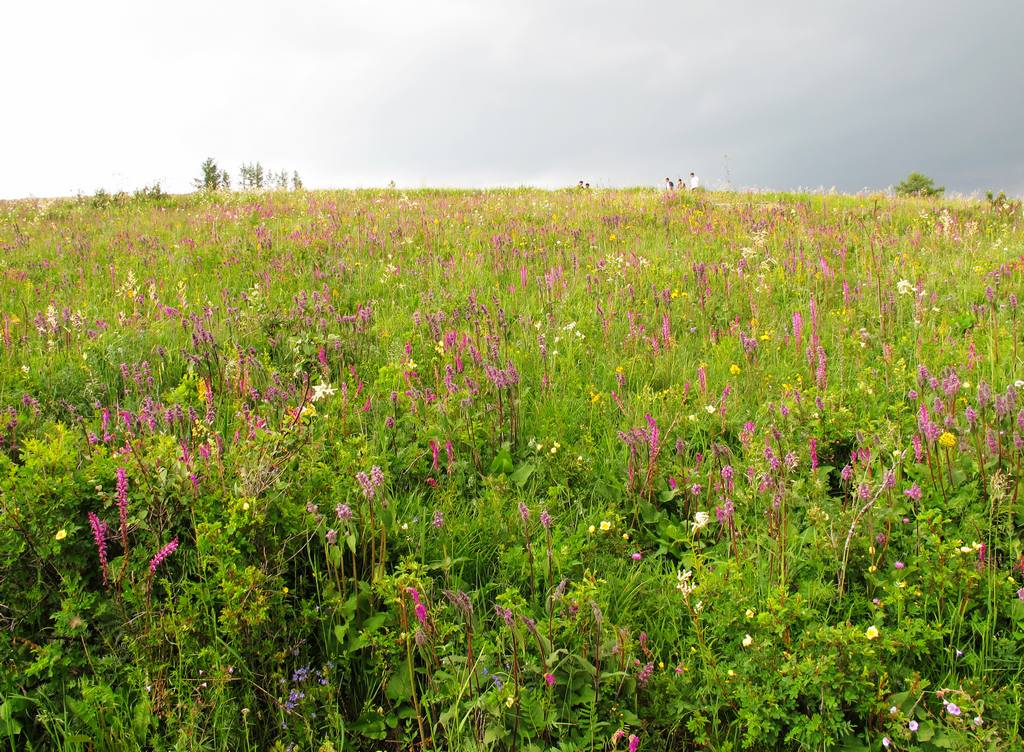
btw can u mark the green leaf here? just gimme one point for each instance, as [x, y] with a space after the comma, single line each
[399, 687]
[522, 474]
[925, 731]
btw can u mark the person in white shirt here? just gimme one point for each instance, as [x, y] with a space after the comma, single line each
[694, 181]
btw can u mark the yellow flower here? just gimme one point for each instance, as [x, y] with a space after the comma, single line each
[947, 440]
[872, 632]
[606, 526]
[510, 701]
[625, 536]
[591, 529]
[750, 613]
[734, 369]
[61, 534]
[748, 641]
[284, 590]
[245, 506]
[872, 568]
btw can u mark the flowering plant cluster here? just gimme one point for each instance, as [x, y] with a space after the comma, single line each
[511, 470]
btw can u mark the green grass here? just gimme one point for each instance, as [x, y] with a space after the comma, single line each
[557, 389]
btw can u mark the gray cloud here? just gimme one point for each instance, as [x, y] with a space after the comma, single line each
[850, 94]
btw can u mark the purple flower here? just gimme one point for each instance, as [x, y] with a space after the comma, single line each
[724, 512]
[506, 614]
[332, 537]
[914, 492]
[899, 565]
[636, 556]
[913, 725]
[550, 679]
[99, 534]
[162, 554]
[524, 512]
[122, 505]
[545, 519]
[376, 476]
[438, 520]
[369, 491]
[343, 511]
[953, 709]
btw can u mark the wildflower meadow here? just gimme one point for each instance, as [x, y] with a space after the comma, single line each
[511, 470]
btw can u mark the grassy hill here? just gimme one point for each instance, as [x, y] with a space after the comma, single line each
[515, 469]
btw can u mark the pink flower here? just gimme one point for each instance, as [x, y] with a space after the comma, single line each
[550, 679]
[99, 534]
[420, 609]
[636, 556]
[634, 742]
[162, 554]
[122, 505]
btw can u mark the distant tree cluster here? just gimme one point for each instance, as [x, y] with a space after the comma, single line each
[148, 193]
[917, 184]
[212, 178]
[252, 177]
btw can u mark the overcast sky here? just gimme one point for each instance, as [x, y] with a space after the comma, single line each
[777, 93]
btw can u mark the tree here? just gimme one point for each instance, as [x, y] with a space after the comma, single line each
[252, 176]
[917, 184]
[296, 181]
[212, 178]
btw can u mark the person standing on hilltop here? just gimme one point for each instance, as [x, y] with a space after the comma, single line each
[694, 181]
[682, 184]
[669, 185]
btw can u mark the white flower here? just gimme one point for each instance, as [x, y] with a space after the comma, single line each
[748, 641]
[685, 583]
[710, 409]
[700, 521]
[322, 390]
